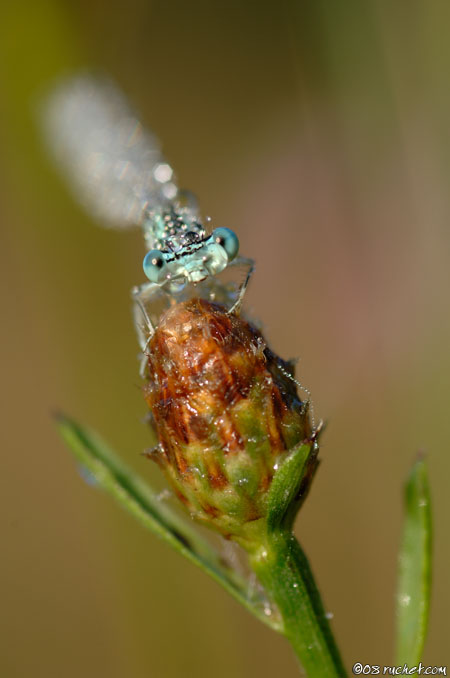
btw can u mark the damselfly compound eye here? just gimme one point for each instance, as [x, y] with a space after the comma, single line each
[155, 266]
[228, 240]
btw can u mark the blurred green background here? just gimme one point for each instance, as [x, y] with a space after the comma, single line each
[320, 132]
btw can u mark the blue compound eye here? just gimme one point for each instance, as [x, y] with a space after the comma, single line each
[155, 266]
[228, 240]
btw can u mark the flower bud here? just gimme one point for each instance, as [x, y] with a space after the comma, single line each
[226, 413]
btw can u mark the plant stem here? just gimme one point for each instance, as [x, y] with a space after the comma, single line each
[284, 571]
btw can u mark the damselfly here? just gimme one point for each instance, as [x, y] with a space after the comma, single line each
[116, 169]
[118, 172]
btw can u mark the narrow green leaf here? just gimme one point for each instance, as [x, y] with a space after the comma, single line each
[140, 500]
[414, 578]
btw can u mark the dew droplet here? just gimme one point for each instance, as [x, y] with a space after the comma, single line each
[88, 476]
[163, 172]
[404, 600]
[164, 494]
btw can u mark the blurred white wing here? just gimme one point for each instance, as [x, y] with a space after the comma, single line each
[115, 167]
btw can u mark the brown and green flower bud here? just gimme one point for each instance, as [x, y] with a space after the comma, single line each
[226, 414]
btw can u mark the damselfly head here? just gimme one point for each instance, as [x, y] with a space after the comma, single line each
[190, 256]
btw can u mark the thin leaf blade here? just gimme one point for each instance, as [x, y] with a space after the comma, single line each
[414, 576]
[137, 497]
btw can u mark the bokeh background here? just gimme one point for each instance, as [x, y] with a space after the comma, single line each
[319, 131]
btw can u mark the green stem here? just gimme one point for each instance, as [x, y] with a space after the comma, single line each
[284, 571]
